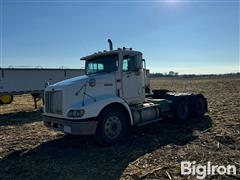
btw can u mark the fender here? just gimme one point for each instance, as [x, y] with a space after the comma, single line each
[93, 109]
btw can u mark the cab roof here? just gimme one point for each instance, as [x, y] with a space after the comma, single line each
[105, 53]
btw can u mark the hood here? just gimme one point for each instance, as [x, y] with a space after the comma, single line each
[70, 82]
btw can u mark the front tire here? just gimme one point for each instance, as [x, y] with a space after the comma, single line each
[112, 126]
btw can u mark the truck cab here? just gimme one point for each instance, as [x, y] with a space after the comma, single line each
[108, 99]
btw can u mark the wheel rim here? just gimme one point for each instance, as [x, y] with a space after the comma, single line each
[113, 127]
[6, 99]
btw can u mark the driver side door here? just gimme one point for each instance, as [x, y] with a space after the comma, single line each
[132, 80]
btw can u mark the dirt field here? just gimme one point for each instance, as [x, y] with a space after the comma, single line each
[28, 150]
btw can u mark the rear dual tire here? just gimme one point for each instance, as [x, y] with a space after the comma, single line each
[200, 106]
[185, 108]
[182, 111]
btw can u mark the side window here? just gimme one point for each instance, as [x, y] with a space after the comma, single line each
[100, 67]
[129, 63]
[92, 68]
[125, 64]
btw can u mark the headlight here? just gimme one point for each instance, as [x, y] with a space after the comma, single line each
[76, 113]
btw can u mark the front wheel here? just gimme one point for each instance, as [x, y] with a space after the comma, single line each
[112, 126]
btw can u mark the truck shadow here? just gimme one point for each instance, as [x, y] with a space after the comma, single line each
[19, 118]
[81, 158]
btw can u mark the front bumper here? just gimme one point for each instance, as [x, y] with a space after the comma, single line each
[75, 127]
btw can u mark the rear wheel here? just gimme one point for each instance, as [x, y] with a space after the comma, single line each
[182, 111]
[159, 93]
[199, 107]
[112, 126]
[6, 99]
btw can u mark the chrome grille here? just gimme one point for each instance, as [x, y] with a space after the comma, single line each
[53, 102]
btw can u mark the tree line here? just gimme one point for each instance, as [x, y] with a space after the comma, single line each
[176, 74]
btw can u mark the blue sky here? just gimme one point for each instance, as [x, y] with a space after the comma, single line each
[184, 36]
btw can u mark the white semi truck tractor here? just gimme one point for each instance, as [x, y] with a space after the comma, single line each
[111, 97]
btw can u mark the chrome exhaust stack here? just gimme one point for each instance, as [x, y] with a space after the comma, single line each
[110, 45]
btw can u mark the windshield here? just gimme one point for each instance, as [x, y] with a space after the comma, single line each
[102, 64]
